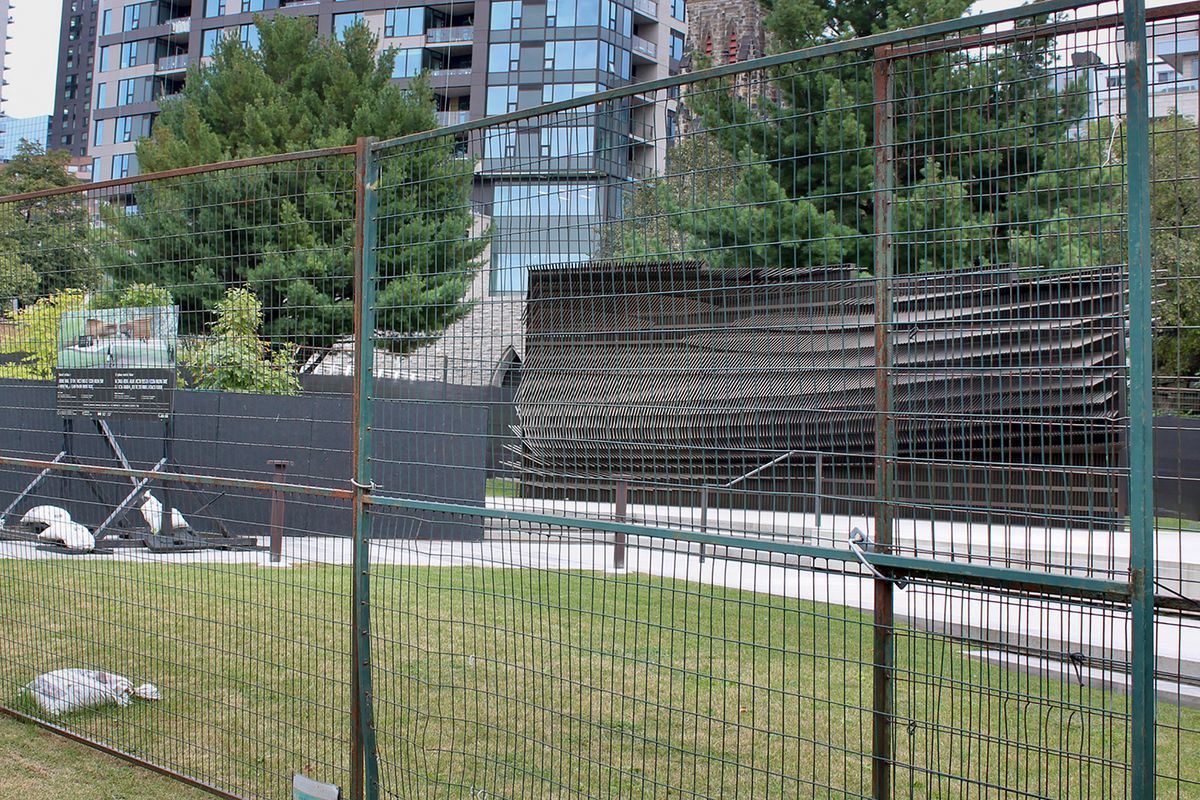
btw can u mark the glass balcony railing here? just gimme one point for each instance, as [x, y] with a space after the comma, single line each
[461, 34]
[645, 48]
[646, 8]
[173, 63]
[445, 118]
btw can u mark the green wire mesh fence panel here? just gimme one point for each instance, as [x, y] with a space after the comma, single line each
[1175, 258]
[224, 282]
[703, 356]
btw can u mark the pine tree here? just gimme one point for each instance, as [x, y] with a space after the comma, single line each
[970, 130]
[46, 244]
[287, 231]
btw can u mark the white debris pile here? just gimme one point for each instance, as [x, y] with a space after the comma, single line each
[66, 690]
[56, 526]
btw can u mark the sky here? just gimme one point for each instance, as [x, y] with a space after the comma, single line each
[34, 59]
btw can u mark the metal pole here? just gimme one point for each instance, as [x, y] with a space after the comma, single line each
[885, 429]
[1141, 420]
[277, 509]
[364, 770]
[621, 512]
[819, 489]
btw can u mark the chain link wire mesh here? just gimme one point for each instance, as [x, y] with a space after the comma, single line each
[252, 662]
[761, 432]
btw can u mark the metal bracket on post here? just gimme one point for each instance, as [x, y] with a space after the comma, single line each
[883, 699]
[620, 514]
[364, 773]
[1141, 421]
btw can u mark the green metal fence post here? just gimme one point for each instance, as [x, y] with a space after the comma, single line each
[364, 767]
[1141, 420]
[885, 428]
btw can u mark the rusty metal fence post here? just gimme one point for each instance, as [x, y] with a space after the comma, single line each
[277, 509]
[885, 430]
[364, 773]
[620, 514]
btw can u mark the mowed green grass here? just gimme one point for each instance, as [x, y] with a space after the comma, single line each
[38, 765]
[550, 684]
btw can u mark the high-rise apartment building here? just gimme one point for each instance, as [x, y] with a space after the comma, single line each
[5, 20]
[73, 86]
[6, 7]
[35, 130]
[479, 56]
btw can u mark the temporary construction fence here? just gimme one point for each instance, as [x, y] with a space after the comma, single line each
[830, 474]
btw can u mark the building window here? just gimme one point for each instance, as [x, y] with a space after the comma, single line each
[343, 23]
[506, 16]
[615, 60]
[676, 46]
[569, 54]
[679, 10]
[122, 165]
[250, 37]
[561, 142]
[98, 136]
[571, 13]
[106, 57]
[133, 17]
[212, 38]
[523, 238]
[124, 130]
[501, 99]
[106, 22]
[504, 57]
[251, 5]
[214, 8]
[408, 63]
[95, 169]
[101, 95]
[556, 92]
[499, 143]
[132, 53]
[404, 22]
[611, 14]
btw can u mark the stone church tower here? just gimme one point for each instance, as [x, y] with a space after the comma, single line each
[724, 31]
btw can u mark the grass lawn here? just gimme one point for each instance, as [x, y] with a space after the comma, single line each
[38, 765]
[1176, 524]
[550, 684]
[503, 487]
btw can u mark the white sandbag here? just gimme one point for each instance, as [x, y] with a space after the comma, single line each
[66, 690]
[72, 535]
[45, 516]
[152, 509]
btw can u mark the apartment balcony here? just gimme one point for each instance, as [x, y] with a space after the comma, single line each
[180, 26]
[1171, 87]
[445, 118]
[462, 36]
[172, 64]
[646, 50]
[647, 9]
